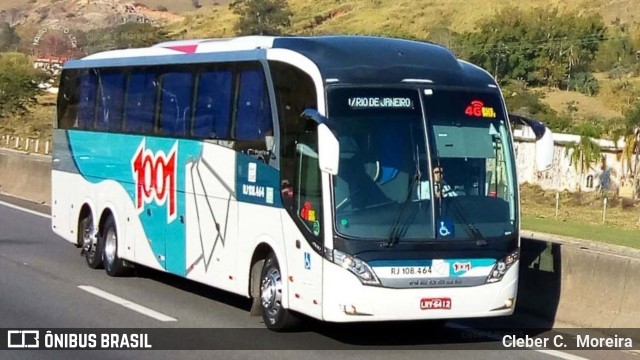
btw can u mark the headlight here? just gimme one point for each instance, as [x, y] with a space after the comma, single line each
[501, 267]
[359, 268]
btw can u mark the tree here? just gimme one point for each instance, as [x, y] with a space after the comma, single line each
[261, 17]
[541, 46]
[18, 82]
[617, 53]
[630, 156]
[9, 40]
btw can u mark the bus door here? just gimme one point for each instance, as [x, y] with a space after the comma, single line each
[303, 230]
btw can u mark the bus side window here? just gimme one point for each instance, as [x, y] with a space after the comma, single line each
[141, 99]
[254, 120]
[68, 99]
[111, 101]
[87, 107]
[177, 88]
[308, 185]
[213, 107]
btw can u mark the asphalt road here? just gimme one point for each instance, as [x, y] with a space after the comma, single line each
[45, 283]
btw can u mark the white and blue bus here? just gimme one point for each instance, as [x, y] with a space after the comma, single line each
[345, 178]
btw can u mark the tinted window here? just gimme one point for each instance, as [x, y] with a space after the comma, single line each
[176, 100]
[110, 101]
[254, 112]
[68, 99]
[87, 107]
[140, 105]
[213, 106]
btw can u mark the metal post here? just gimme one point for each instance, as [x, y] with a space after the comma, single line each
[46, 148]
[37, 145]
[26, 144]
[604, 211]
[557, 203]
[17, 142]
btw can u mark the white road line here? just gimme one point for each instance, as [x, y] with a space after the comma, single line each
[560, 354]
[126, 303]
[16, 207]
[554, 353]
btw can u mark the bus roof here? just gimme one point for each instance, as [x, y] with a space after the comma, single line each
[344, 59]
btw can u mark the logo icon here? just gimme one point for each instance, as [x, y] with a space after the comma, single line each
[155, 178]
[461, 266]
[477, 109]
[21, 339]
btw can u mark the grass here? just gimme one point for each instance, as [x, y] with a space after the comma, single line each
[577, 229]
[580, 216]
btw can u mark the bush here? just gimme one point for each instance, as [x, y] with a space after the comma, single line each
[18, 82]
[583, 82]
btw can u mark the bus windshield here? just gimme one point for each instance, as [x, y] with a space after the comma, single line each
[406, 178]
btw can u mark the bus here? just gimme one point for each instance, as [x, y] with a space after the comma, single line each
[341, 178]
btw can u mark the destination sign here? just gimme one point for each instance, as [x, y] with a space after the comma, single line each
[380, 102]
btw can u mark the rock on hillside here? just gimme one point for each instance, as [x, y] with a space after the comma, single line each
[84, 14]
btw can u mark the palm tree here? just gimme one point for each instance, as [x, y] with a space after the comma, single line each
[585, 152]
[631, 151]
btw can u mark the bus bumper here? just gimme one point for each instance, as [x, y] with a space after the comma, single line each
[346, 299]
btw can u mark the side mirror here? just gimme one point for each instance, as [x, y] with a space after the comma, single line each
[544, 151]
[544, 141]
[328, 150]
[328, 145]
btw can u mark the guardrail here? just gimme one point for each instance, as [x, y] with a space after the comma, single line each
[577, 282]
[28, 144]
[25, 175]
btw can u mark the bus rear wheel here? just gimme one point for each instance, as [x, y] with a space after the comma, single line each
[275, 316]
[113, 265]
[89, 242]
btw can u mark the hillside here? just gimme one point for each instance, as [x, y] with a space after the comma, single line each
[81, 15]
[435, 20]
[175, 6]
[409, 18]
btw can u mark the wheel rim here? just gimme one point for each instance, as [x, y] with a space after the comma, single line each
[86, 235]
[271, 291]
[110, 245]
[89, 240]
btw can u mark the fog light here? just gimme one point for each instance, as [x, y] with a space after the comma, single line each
[508, 303]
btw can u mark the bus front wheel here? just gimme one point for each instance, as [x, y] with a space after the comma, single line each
[275, 316]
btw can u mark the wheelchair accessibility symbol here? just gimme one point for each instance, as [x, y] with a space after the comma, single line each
[445, 228]
[307, 260]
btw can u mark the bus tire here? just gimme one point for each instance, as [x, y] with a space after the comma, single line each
[274, 315]
[113, 265]
[89, 242]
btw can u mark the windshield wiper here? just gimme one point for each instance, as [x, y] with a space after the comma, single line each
[395, 233]
[469, 226]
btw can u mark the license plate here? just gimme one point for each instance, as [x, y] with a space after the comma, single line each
[404, 271]
[435, 304]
